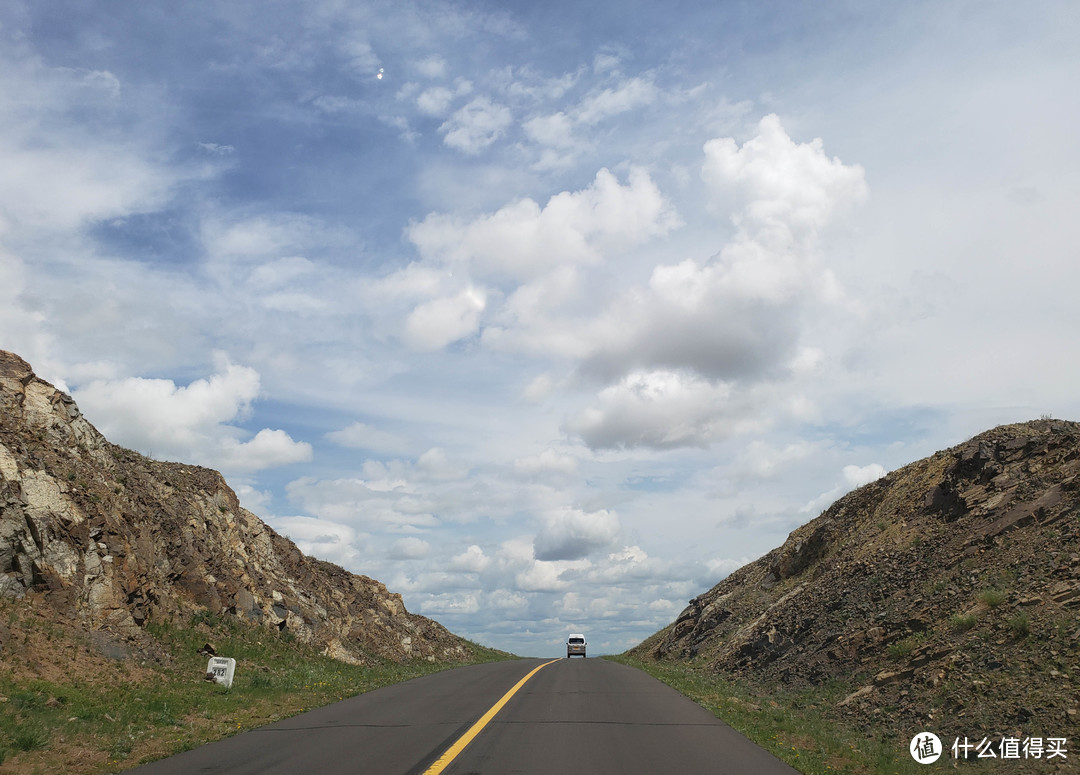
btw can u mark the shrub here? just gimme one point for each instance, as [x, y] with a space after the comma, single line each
[1020, 625]
[991, 598]
[962, 622]
[902, 648]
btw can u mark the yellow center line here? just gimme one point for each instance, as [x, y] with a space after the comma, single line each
[452, 752]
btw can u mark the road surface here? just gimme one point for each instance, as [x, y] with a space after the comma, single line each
[587, 716]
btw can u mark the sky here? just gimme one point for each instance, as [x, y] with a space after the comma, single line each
[546, 315]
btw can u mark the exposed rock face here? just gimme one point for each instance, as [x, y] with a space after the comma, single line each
[948, 592]
[111, 539]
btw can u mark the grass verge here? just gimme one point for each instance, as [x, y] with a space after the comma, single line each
[105, 715]
[792, 724]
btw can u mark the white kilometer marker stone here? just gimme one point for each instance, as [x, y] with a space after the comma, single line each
[222, 668]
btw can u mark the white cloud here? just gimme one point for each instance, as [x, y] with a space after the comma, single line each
[439, 322]
[785, 191]
[633, 93]
[190, 423]
[555, 130]
[472, 560]
[660, 409]
[739, 315]
[687, 349]
[476, 126]
[269, 448]
[435, 101]
[572, 534]
[542, 577]
[522, 240]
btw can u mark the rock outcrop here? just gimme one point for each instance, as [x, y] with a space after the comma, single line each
[110, 540]
[946, 594]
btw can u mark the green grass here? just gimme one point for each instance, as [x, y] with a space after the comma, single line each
[991, 598]
[793, 724]
[1020, 625]
[135, 713]
[962, 622]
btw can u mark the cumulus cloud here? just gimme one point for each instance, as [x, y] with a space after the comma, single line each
[572, 534]
[439, 322]
[533, 250]
[190, 423]
[476, 126]
[689, 346]
[268, 449]
[697, 317]
[661, 409]
[542, 577]
[784, 191]
[435, 101]
[472, 560]
[523, 240]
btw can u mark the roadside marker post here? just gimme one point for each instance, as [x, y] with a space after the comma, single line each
[220, 670]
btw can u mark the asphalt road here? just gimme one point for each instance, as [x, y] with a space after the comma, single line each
[588, 716]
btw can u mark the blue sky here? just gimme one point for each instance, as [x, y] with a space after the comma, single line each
[547, 316]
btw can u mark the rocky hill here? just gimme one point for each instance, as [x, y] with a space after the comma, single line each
[108, 540]
[944, 596]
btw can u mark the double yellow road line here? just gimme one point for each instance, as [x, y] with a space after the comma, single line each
[452, 752]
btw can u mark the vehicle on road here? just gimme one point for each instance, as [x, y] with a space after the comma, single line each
[575, 644]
